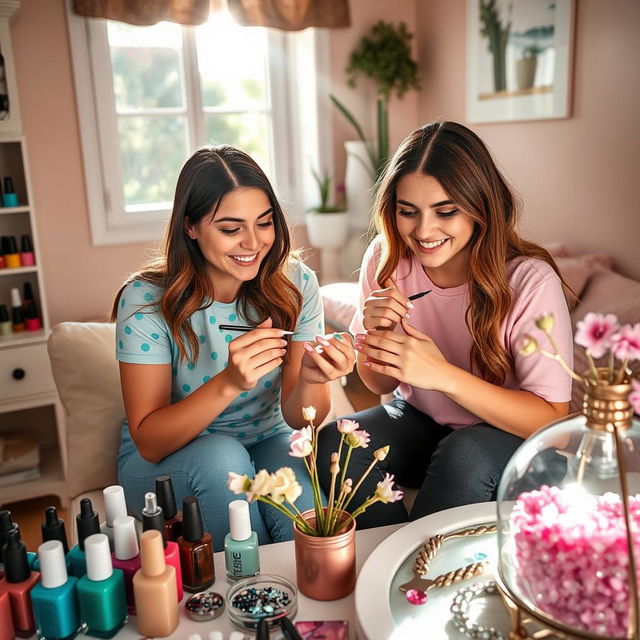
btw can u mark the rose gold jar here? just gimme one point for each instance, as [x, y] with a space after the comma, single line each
[325, 566]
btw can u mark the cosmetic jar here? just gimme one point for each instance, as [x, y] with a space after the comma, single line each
[204, 606]
[264, 596]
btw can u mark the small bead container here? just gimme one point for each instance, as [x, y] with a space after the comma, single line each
[204, 606]
[264, 596]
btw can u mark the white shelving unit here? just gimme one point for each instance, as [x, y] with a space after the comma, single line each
[28, 399]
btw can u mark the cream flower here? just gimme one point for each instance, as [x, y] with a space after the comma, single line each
[238, 483]
[262, 485]
[385, 492]
[347, 426]
[335, 463]
[381, 454]
[285, 486]
[300, 442]
[357, 439]
[528, 345]
[545, 322]
[309, 413]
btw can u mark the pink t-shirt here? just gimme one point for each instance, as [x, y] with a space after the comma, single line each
[536, 290]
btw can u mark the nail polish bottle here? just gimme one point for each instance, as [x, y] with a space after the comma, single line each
[196, 548]
[167, 502]
[6, 525]
[86, 525]
[115, 506]
[241, 555]
[126, 555]
[11, 255]
[3, 262]
[31, 320]
[5, 323]
[154, 587]
[55, 597]
[17, 314]
[27, 257]
[53, 528]
[101, 594]
[27, 293]
[9, 197]
[153, 518]
[7, 630]
[19, 582]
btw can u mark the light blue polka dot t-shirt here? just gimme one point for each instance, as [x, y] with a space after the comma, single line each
[143, 337]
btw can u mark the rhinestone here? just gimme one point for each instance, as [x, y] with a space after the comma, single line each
[416, 596]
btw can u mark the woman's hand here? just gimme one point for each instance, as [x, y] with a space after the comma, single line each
[253, 355]
[333, 358]
[413, 358]
[385, 308]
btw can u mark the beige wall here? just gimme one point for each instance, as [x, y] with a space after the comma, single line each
[579, 177]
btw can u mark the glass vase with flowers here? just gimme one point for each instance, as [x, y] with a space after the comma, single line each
[569, 499]
[325, 535]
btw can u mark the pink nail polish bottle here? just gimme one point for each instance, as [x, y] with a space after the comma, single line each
[126, 555]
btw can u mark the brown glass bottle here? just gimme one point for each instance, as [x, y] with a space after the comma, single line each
[196, 549]
[167, 502]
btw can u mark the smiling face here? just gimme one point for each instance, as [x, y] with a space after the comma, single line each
[235, 239]
[436, 230]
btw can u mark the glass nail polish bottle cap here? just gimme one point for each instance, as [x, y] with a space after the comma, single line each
[8, 185]
[192, 525]
[27, 291]
[25, 244]
[16, 565]
[86, 522]
[125, 540]
[4, 316]
[16, 301]
[53, 528]
[152, 562]
[239, 520]
[99, 565]
[166, 497]
[12, 247]
[53, 567]
[114, 503]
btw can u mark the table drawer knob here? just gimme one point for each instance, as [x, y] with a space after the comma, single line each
[18, 373]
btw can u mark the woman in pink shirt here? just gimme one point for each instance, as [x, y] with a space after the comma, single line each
[464, 397]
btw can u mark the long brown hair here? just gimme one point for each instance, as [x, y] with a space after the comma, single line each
[462, 164]
[181, 269]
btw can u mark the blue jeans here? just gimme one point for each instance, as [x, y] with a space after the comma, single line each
[200, 469]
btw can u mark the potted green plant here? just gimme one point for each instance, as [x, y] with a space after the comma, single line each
[384, 56]
[526, 67]
[327, 223]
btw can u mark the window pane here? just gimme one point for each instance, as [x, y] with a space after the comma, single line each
[233, 63]
[152, 150]
[247, 131]
[146, 65]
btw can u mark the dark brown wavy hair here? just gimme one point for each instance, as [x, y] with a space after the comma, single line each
[181, 270]
[463, 166]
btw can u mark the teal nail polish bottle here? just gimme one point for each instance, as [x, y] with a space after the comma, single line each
[87, 524]
[241, 555]
[101, 593]
[54, 598]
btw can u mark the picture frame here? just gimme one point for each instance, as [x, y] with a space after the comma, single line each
[519, 59]
[10, 122]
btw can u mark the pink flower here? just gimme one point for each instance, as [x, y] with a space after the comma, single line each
[626, 343]
[634, 396]
[300, 442]
[357, 439]
[595, 331]
[385, 492]
[347, 426]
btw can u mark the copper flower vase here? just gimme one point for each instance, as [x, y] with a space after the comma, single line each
[325, 566]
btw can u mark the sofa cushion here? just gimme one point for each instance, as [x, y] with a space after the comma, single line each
[576, 271]
[87, 378]
[339, 300]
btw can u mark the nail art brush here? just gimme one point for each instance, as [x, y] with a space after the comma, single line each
[263, 630]
[415, 296]
[289, 630]
[242, 328]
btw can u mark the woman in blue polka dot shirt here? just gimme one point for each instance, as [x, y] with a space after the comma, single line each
[201, 401]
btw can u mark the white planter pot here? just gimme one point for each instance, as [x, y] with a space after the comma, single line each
[358, 184]
[328, 230]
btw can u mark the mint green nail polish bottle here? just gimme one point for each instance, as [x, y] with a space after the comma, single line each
[241, 543]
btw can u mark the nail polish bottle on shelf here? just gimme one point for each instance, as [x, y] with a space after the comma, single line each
[31, 320]
[9, 197]
[87, 524]
[55, 597]
[5, 323]
[241, 554]
[167, 502]
[17, 313]
[27, 257]
[27, 293]
[53, 528]
[115, 506]
[3, 263]
[154, 587]
[126, 555]
[11, 255]
[153, 518]
[101, 594]
[19, 582]
[7, 630]
[196, 548]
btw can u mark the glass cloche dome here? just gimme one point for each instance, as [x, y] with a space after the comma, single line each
[564, 502]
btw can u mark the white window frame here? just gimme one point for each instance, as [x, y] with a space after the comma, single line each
[298, 100]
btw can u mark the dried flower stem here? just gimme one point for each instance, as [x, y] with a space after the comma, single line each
[300, 522]
[565, 366]
[330, 505]
[364, 475]
[622, 372]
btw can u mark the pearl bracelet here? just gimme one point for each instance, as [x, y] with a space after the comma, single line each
[460, 607]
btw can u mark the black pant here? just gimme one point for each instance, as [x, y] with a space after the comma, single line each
[450, 467]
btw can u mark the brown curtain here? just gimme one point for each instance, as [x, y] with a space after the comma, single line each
[145, 12]
[291, 15]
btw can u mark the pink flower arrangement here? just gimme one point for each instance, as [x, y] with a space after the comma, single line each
[281, 489]
[600, 334]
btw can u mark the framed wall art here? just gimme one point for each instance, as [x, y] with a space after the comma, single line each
[519, 56]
